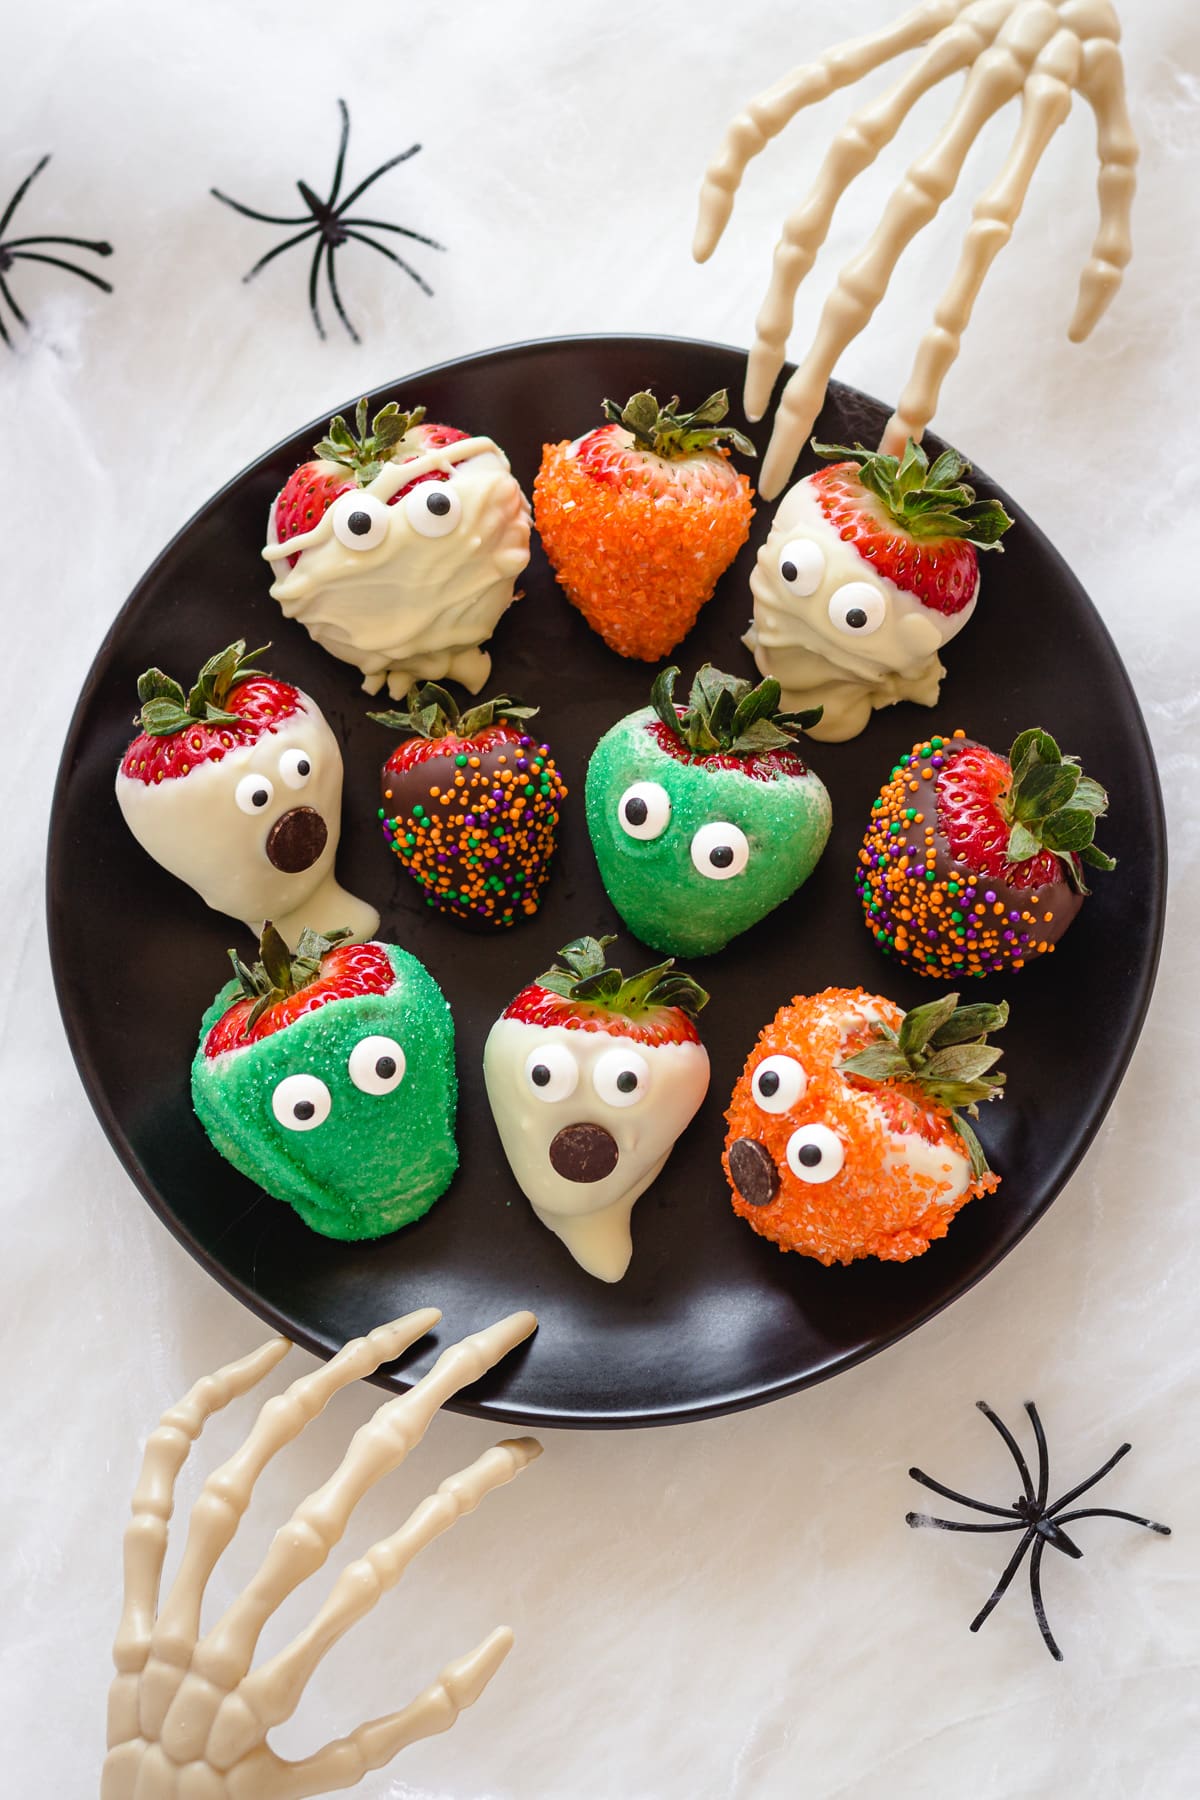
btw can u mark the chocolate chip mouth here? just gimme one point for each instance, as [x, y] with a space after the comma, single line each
[296, 840]
[583, 1153]
[754, 1173]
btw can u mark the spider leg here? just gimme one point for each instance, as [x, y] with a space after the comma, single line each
[313, 275]
[1113, 1512]
[1000, 1512]
[854, 149]
[919, 1519]
[392, 257]
[278, 251]
[998, 74]
[340, 164]
[4, 337]
[382, 225]
[383, 168]
[271, 1694]
[248, 212]
[1091, 1481]
[7, 293]
[1102, 85]
[145, 1546]
[1045, 104]
[769, 112]
[337, 298]
[98, 245]
[1039, 1610]
[21, 192]
[1043, 1481]
[1014, 1447]
[301, 1546]
[1002, 1586]
[58, 263]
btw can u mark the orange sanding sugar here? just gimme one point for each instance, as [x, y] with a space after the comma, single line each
[638, 565]
[899, 1184]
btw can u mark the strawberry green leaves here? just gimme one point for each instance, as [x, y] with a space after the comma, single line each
[282, 972]
[582, 972]
[365, 454]
[431, 712]
[1052, 805]
[942, 1048]
[668, 432]
[727, 713]
[165, 708]
[928, 502]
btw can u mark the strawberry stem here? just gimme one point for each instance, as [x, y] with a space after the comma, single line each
[431, 712]
[166, 710]
[582, 972]
[282, 972]
[727, 713]
[1050, 804]
[670, 433]
[365, 454]
[926, 502]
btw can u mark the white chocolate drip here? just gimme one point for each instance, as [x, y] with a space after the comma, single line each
[1044, 51]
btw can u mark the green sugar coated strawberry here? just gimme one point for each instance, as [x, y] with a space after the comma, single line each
[327, 1076]
[704, 817]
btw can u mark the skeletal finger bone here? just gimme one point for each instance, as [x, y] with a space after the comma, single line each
[187, 1719]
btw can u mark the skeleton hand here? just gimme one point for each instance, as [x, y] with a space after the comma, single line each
[187, 1720]
[1043, 50]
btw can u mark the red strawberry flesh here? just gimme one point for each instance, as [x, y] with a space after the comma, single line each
[970, 788]
[262, 704]
[764, 766]
[536, 1005]
[942, 573]
[346, 972]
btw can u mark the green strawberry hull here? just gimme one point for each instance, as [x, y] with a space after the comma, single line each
[660, 894]
[378, 1161]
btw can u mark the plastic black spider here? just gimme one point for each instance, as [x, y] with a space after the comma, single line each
[327, 221]
[1041, 1524]
[15, 250]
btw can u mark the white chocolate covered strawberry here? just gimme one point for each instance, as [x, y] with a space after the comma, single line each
[591, 1078]
[398, 549]
[236, 788]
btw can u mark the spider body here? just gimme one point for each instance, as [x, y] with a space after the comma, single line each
[331, 224]
[28, 249]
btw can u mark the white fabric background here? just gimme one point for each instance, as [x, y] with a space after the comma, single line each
[726, 1610]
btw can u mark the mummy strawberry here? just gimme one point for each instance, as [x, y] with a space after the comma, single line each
[846, 1130]
[641, 516]
[471, 805]
[704, 817]
[591, 1078]
[870, 567]
[327, 1077]
[398, 548]
[236, 788]
[974, 862]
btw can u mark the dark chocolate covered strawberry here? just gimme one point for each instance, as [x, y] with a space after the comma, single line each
[974, 862]
[471, 805]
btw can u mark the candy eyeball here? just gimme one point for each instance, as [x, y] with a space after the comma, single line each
[551, 1072]
[295, 768]
[778, 1083]
[377, 1065]
[644, 810]
[359, 520]
[621, 1077]
[815, 1154]
[433, 508]
[301, 1102]
[857, 608]
[720, 851]
[802, 566]
[253, 794]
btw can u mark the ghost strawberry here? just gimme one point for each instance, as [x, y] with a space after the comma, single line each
[641, 516]
[327, 1077]
[471, 805]
[846, 1135]
[591, 1078]
[974, 862]
[236, 788]
[871, 566]
[704, 817]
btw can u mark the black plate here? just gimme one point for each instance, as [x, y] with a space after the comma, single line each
[710, 1317]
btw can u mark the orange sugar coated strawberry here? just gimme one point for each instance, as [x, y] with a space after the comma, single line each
[839, 1165]
[641, 517]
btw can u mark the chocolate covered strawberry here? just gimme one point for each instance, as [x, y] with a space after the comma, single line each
[871, 566]
[347, 459]
[974, 862]
[591, 1078]
[640, 516]
[328, 1078]
[236, 787]
[704, 817]
[471, 805]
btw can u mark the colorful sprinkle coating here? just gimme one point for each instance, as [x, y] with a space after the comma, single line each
[480, 841]
[927, 907]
